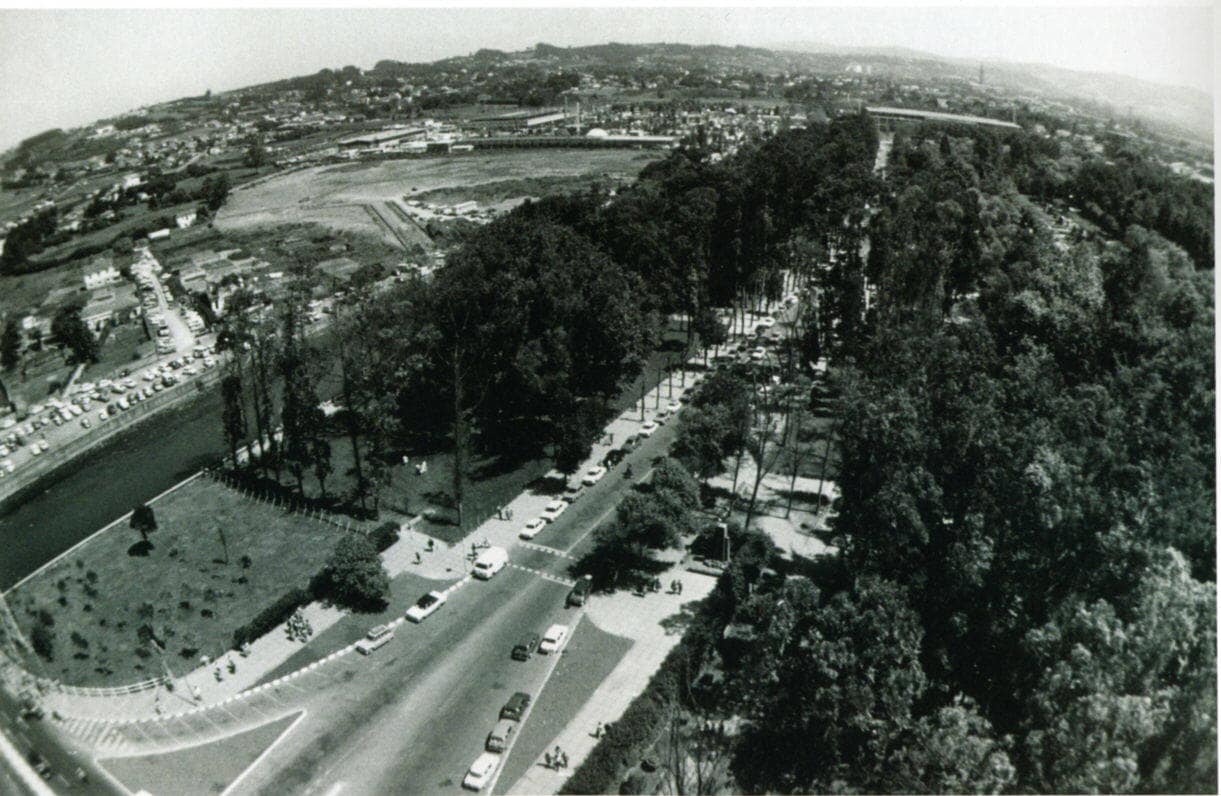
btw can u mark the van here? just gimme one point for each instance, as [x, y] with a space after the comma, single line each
[498, 738]
[515, 708]
[490, 562]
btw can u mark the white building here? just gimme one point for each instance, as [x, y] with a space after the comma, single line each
[107, 276]
[185, 220]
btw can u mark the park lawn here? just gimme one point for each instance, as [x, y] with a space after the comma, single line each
[405, 589]
[99, 595]
[589, 658]
[204, 769]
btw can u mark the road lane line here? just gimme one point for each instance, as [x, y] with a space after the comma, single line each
[228, 790]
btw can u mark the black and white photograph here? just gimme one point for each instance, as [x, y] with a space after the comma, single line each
[646, 399]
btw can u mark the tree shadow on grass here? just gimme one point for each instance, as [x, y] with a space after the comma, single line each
[140, 549]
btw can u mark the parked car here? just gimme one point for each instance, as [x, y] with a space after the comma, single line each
[515, 708]
[532, 528]
[647, 429]
[426, 606]
[580, 592]
[553, 510]
[614, 457]
[593, 475]
[553, 639]
[498, 738]
[527, 647]
[572, 493]
[481, 771]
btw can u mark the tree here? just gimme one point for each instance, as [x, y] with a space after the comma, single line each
[699, 441]
[233, 414]
[671, 478]
[574, 432]
[43, 642]
[256, 154]
[214, 191]
[10, 344]
[143, 521]
[72, 333]
[355, 577]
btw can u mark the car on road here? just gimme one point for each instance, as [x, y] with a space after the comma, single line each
[490, 562]
[376, 637]
[593, 475]
[40, 765]
[481, 771]
[532, 528]
[553, 510]
[553, 639]
[580, 592]
[426, 606]
[647, 429]
[498, 738]
[515, 708]
[527, 647]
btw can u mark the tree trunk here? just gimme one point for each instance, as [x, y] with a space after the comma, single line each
[461, 434]
[350, 425]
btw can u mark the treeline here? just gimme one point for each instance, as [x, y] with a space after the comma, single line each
[1027, 599]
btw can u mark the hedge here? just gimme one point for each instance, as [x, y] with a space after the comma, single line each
[384, 535]
[274, 614]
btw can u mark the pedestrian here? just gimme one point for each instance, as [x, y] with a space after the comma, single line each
[598, 730]
[679, 583]
[563, 760]
[547, 759]
[430, 548]
[417, 557]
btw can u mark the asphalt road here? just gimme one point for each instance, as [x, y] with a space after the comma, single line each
[415, 715]
[63, 755]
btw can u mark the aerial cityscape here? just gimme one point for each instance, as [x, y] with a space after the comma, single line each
[659, 418]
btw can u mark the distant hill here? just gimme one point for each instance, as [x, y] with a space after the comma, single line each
[1187, 110]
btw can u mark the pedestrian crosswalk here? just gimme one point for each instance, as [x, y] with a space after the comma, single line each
[105, 737]
[546, 575]
[545, 549]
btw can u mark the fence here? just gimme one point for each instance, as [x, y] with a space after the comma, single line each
[273, 498]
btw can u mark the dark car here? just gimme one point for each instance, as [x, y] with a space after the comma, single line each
[524, 650]
[580, 592]
[572, 493]
[516, 706]
[613, 457]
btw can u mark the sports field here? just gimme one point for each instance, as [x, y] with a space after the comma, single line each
[358, 196]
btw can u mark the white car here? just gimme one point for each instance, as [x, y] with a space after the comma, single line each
[674, 406]
[43, 445]
[425, 606]
[647, 429]
[553, 639]
[9, 467]
[593, 475]
[532, 528]
[481, 771]
[377, 637]
[554, 509]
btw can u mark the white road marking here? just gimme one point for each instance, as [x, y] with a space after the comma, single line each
[266, 752]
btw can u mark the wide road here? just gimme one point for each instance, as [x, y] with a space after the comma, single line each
[413, 717]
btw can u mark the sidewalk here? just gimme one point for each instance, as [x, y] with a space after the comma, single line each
[640, 619]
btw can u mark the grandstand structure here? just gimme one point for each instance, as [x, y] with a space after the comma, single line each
[889, 118]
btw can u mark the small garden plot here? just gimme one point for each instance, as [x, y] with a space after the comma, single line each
[99, 615]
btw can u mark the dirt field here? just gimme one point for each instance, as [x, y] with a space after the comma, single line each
[354, 196]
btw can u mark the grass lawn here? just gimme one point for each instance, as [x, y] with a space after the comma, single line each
[100, 595]
[404, 591]
[41, 375]
[204, 769]
[589, 658]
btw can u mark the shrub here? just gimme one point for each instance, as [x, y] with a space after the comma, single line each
[43, 642]
[384, 535]
[274, 614]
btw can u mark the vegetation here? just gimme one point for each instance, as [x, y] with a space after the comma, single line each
[354, 578]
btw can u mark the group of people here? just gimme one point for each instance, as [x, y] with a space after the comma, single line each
[676, 586]
[556, 760]
[298, 627]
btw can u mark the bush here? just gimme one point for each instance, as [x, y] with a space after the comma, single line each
[354, 578]
[43, 642]
[271, 616]
[384, 535]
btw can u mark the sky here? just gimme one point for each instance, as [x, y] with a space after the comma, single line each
[66, 68]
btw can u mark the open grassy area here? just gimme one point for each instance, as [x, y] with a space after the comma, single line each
[193, 588]
[205, 769]
[589, 658]
[124, 346]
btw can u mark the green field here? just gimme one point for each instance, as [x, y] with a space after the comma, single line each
[197, 770]
[193, 588]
